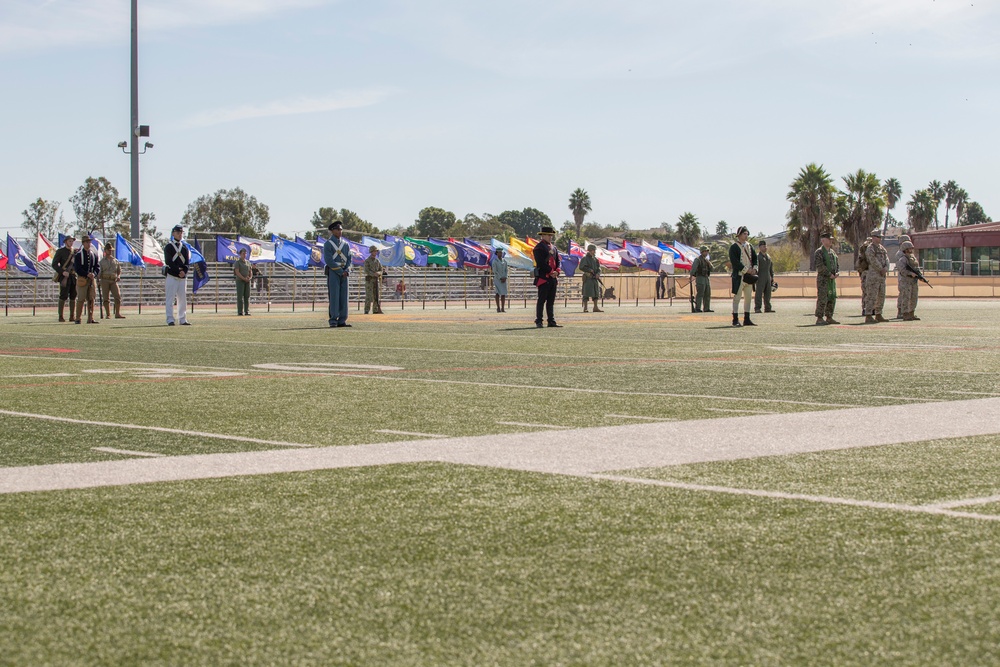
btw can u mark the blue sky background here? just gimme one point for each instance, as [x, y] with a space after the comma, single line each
[388, 106]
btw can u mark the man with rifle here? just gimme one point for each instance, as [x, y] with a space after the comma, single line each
[907, 275]
[62, 264]
[701, 271]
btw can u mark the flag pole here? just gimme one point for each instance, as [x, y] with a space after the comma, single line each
[314, 289]
[6, 291]
[34, 296]
[270, 271]
[447, 272]
[402, 292]
[217, 293]
[142, 272]
[425, 289]
[295, 278]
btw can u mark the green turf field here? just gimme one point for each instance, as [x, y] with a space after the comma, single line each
[437, 563]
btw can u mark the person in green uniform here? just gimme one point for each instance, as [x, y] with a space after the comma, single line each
[827, 270]
[111, 275]
[243, 275]
[591, 270]
[373, 282]
[701, 269]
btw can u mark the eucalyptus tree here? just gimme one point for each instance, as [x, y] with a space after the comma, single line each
[937, 194]
[920, 210]
[812, 197]
[950, 188]
[579, 204]
[891, 191]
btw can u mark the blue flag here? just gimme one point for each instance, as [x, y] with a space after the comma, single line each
[415, 255]
[125, 253]
[195, 250]
[359, 253]
[569, 264]
[315, 251]
[393, 255]
[456, 254]
[201, 276]
[228, 250]
[16, 255]
[290, 252]
[628, 259]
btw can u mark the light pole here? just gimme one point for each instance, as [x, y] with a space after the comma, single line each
[135, 130]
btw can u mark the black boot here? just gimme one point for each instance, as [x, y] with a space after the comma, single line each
[746, 320]
[736, 320]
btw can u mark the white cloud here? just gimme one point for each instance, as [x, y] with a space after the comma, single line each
[30, 25]
[289, 107]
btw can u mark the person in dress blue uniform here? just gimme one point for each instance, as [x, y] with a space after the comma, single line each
[337, 256]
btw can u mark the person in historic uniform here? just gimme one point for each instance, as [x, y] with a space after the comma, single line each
[827, 271]
[87, 268]
[546, 275]
[373, 282]
[243, 275]
[62, 264]
[111, 276]
[591, 270]
[906, 277]
[177, 259]
[337, 256]
[878, 268]
[701, 270]
[765, 276]
[743, 260]
[499, 267]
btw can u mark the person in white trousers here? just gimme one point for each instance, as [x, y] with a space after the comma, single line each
[177, 260]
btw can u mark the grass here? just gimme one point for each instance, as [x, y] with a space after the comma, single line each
[439, 564]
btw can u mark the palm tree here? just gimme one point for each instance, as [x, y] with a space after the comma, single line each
[812, 197]
[959, 200]
[892, 191]
[937, 194]
[920, 210]
[579, 203]
[688, 229]
[950, 188]
[863, 201]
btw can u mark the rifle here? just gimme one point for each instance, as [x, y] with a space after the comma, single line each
[919, 275]
[691, 292]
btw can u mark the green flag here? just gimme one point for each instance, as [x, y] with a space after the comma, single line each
[436, 254]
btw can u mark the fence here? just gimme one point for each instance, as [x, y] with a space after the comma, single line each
[279, 284]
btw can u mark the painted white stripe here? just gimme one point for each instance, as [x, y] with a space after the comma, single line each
[158, 429]
[551, 426]
[974, 393]
[758, 412]
[911, 399]
[43, 375]
[778, 495]
[413, 433]
[126, 452]
[967, 502]
[652, 419]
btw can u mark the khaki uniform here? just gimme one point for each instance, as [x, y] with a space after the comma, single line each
[701, 269]
[373, 287]
[827, 265]
[874, 284]
[111, 271]
[861, 274]
[906, 279]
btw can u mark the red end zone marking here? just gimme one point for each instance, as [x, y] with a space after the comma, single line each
[57, 350]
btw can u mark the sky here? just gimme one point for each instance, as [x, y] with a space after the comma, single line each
[385, 107]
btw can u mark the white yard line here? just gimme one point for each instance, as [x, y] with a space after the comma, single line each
[912, 399]
[126, 452]
[759, 412]
[549, 426]
[43, 375]
[779, 495]
[974, 393]
[413, 433]
[651, 419]
[158, 429]
[967, 502]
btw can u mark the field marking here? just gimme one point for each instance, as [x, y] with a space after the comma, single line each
[759, 412]
[413, 433]
[126, 452]
[323, 367]
[975, 393]
[652, 419]
[158, 429]
[43, 375]
[912, 399]
[780, 495]
[549, 426]
[966, 502]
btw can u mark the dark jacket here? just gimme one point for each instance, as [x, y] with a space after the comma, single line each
[85, 263]
[736, 261]
[543, 268]
[177, 261]
[62, 258]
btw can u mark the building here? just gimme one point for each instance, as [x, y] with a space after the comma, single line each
[971, 250]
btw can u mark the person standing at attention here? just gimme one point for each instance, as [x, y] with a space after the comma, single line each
[111, 276]
[743, 259]
[591, 270]
[546, 275]
[701, 269]
[499, 267]
[243, 276]
[373, 282]
[337, 256]
[87, 268]
[907, 271]
[827, 270]
[878, 269]
[178, 262]
[765, 276]
[62, 264]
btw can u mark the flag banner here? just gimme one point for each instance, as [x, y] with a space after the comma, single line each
[515, 258]
[125, 253]
[680, 261]
[664, 261]
[315, 251]
[415, 255]
[456, 256]
[44, 250]
[624, 253]
[359, 253]
[3, 260]
[17, 257]
[522, 247]
[608, 259]
[689, 253]
[200, 269]
[436, 254]
[152, 253]
[370, 241]
[261, 252]
[97, 243]
[228, 250]
[479, 247]
[576, 249]
[475, 258]
[291, 252]
[568, 264]
[393, 255]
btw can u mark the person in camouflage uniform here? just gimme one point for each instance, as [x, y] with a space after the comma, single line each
[862, 267]
[373, 280]
[827, 270]
[903, 238]
[906, 277]
[874, 286]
